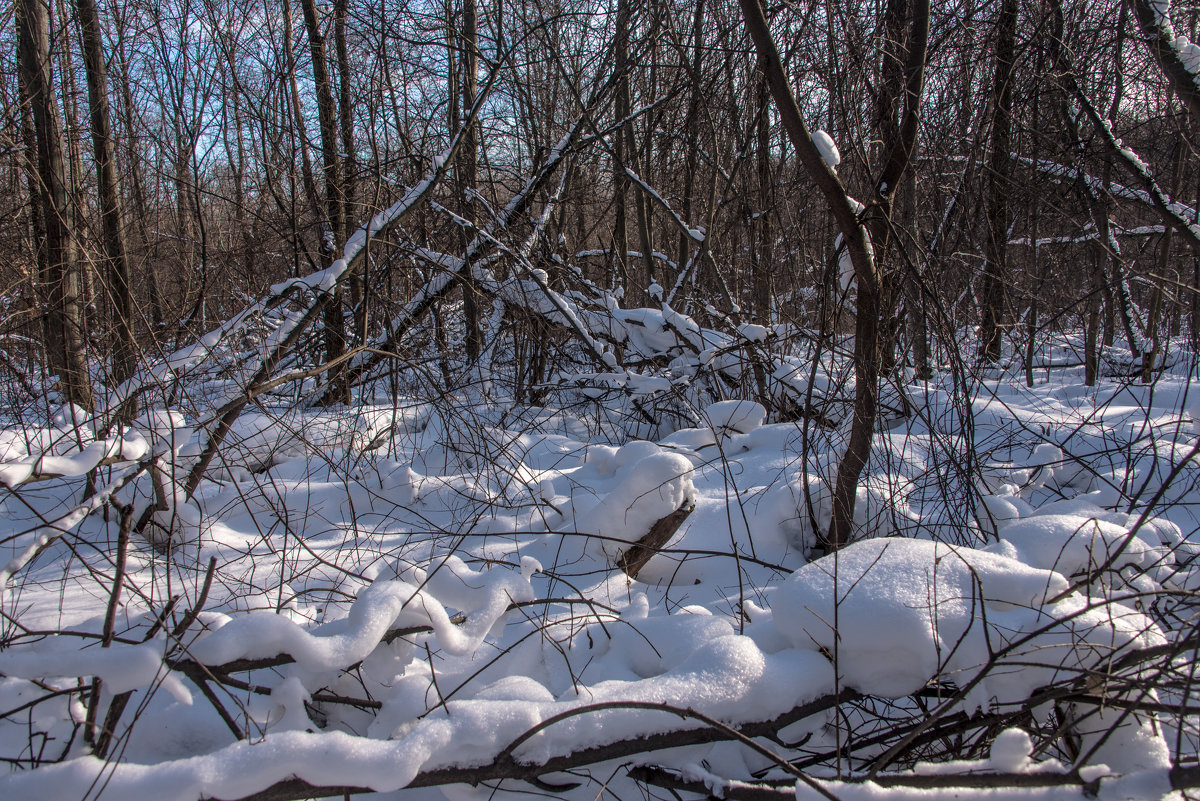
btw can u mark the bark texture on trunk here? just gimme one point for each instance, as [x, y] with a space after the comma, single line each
[994, 291]
[117, 272]
[61, 280]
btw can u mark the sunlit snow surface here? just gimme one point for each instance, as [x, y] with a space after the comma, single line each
[491, 534]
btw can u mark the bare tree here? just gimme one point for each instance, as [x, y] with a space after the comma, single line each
[60, 275]
[334, 225]
[865, 234]
[118, 284]
[994, 301]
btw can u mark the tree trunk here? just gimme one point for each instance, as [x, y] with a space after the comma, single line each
[865, 237]
[61, 278]
[467, 169]
[358, 294]
[117, 273]
[1031, 318]
[762, 255]
[621, 181]
[1091, 323]
[691, 133]
[995, 272]
[918, 318]
[37, 222]
[1153, 322]
[333, 227]
[141, 210]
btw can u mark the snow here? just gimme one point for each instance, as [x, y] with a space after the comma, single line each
[1011, 752]
[344, 642]
[413, 585]
[753, 333]
[898, 612]
[648, 484]
[1075, 544]
[827, 148]
[446, 588]
[847, 278]
[1151, 195]
[740, 417]
[122, 667]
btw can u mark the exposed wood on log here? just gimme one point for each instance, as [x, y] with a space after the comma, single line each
[634, 558]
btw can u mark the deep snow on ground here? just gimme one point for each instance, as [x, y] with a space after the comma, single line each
[1028, 538]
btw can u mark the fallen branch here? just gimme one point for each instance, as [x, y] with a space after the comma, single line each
[637, 555]
[1180, 778]
[507, 766]
[45, 535]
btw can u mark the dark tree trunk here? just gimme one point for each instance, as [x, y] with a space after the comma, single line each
[60, 279]
[467, 168]
[995, 271]
[333, 227]
[358, 293]
[141, 211]
[117, 272]
[691, 133]
[621, 181]
[763, 254]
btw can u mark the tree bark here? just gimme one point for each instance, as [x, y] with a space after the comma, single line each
[862, 245]
[691, 133]
[61, 278]
[762, 254]
[358, 281]
[995, 271]
[621, 181]
[333, 227]
[467, 169]
[141, 209]
[117, 272]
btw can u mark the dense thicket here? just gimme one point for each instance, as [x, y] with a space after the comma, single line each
[376, 236]
[247, 140]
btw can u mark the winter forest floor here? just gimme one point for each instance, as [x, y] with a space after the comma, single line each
[444, 592]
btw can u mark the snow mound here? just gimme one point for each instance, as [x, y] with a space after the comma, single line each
[736, 416]
[1075, 544]
[122, 667]
[904, 610]
[909, 611]
[651, 484]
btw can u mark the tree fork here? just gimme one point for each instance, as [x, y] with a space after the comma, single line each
[855, 235]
